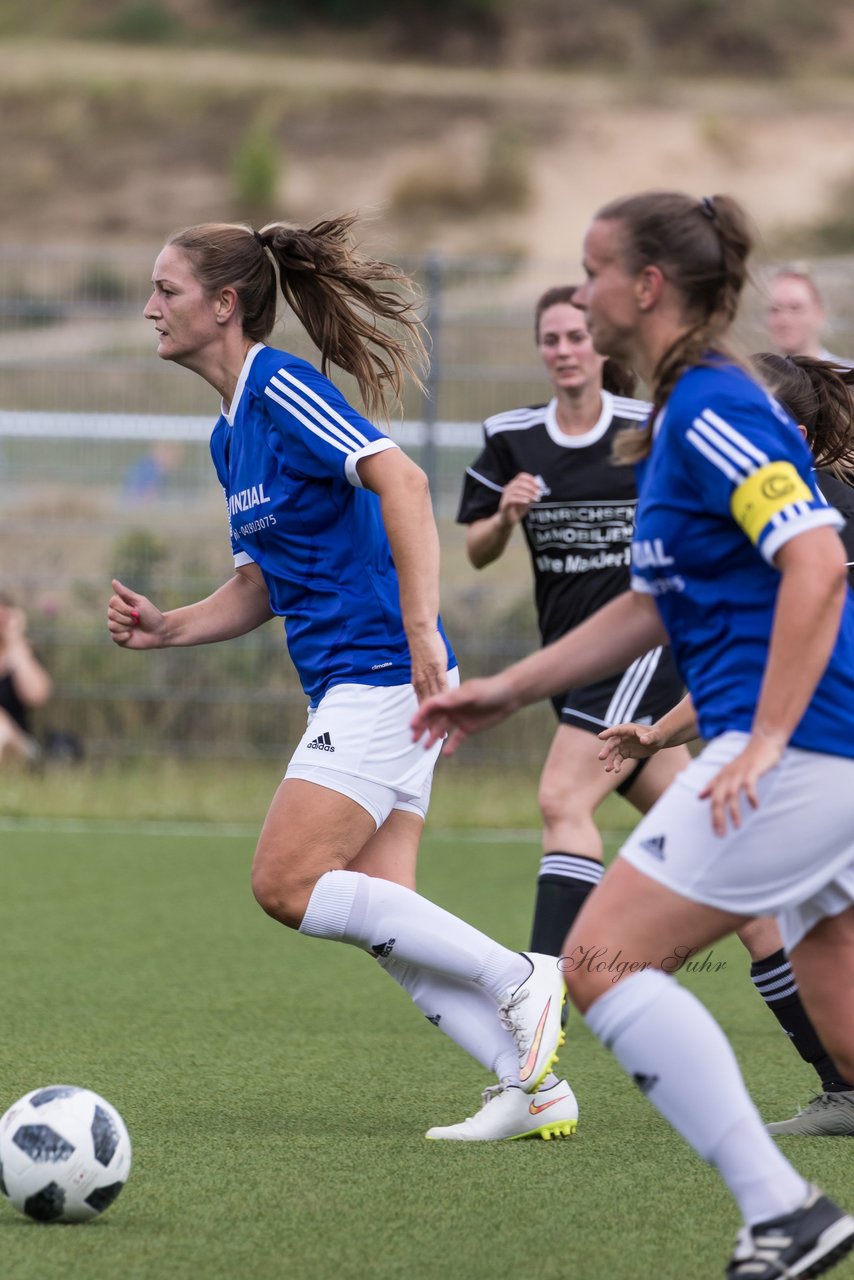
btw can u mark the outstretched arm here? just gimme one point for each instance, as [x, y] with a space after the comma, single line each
[238, 606]
[604, 643]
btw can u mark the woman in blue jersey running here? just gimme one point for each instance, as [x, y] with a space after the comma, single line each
[818, 396]
[737, 563]
[332, 529]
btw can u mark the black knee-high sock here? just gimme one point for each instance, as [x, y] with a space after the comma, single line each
[564, 881]
[776, 983]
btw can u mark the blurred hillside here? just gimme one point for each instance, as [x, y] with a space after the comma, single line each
[488, 132]
[653, 36]
[468, 126]
[122, 142]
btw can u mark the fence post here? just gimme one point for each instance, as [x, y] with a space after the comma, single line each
[430, 403]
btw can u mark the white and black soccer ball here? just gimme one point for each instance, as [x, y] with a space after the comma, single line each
[64, 1154]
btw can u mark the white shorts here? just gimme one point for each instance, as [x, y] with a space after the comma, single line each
[358, 742]
[792, 858]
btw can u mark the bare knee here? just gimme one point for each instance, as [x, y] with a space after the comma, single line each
[585, 969]
[583, 984]
[279, 893]
[560, 804]
[761, 937]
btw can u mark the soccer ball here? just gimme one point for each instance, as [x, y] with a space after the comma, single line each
[64, 1154]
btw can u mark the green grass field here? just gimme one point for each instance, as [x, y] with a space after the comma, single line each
[277, 1089]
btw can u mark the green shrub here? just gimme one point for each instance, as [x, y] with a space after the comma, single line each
[256, 172]
[143, 22]
[501, 182]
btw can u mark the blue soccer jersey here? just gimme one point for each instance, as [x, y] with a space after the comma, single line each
[286, 455]
[729, 480]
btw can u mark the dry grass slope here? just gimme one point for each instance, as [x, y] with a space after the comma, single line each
[118, 143]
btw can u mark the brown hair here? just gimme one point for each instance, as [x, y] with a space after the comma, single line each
[820, 396]
[701, 247]
[335, 293]
[616, 378]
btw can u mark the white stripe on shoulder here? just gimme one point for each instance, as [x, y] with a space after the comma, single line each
[739, 442]
[627, 407]
[309, 422]
[489, 484]
[296, 392]
[727, 448]
[702, 446]
[326, 407]
[515, 420]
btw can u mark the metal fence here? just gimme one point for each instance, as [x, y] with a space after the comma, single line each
[104, 471]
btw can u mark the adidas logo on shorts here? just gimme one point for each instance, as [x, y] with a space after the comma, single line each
[655, 846]
[644, 1083]
[322, 742]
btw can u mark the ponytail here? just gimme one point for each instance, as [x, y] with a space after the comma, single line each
[702, 248]
[343, 300]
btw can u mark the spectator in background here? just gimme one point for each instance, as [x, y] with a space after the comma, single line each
[147, 478]
[24, 684]
[796, 316]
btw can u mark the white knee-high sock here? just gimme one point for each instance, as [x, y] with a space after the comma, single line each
[385, 918]
[679, 1057]
[464, 1012]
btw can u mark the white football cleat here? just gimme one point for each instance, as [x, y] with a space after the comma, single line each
[508, 1112]
[532, 1015]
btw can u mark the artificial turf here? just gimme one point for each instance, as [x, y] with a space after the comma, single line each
[277, 1088]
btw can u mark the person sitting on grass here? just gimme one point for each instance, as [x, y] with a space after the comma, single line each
[24, 684]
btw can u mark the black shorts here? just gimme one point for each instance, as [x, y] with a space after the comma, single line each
[643, 692]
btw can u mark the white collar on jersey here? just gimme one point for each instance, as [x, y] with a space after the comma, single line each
[589, 437]
[241, 383]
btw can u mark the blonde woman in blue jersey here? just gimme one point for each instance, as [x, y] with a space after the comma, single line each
[332, 530]
[738, 564]
[818, 397]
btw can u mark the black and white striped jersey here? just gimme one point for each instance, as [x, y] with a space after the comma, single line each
[579, 533]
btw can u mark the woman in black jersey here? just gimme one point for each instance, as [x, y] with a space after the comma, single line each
[549, 470]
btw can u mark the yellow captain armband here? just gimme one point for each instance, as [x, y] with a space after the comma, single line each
[765, 494]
